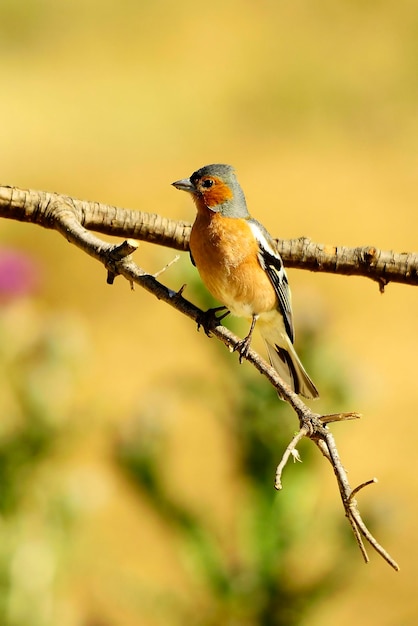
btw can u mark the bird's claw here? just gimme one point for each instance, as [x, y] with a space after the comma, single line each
[243, 347]
[209, 320]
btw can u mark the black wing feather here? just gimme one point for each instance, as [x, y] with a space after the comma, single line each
[271, 262]
[273, 265]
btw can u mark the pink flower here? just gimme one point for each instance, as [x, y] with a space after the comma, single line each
[19, 274]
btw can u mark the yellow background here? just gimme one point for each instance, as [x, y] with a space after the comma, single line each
[316, 105]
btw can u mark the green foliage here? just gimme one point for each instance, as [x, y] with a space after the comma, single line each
[37, 359]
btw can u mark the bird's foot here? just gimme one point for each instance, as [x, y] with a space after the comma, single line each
[243, 347]
[209, 320]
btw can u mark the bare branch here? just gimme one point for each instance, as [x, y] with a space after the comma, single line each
[350, 504]
[70, 217]
[38, 207]
[303, 432]
[379, 265]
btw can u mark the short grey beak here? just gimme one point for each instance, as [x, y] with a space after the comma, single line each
[185, 185]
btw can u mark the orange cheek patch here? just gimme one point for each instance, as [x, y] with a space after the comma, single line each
[217, 194]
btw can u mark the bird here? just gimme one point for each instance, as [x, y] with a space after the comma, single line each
[239, 263]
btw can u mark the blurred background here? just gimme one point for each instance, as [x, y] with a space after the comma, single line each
[137, 458]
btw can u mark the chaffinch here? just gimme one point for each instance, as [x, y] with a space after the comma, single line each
[240, 265]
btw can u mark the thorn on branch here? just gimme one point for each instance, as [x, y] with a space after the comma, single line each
[372, 481]
[339, 417]
[110, 277]
[180, 291]
[383, 282]
[369, 256]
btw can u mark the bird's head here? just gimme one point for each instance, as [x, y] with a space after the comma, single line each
[216, 187]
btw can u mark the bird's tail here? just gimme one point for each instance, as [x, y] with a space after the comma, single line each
[287, 364]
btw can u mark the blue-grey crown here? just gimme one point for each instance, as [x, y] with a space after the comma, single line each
[237, 206]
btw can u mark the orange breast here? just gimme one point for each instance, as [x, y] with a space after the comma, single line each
[225, 253]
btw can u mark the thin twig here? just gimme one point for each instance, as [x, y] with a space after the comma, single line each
[165, 268]
[287, 453]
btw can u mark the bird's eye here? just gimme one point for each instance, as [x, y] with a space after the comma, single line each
[207, 183]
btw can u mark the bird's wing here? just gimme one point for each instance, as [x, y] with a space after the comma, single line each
[272, 263]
